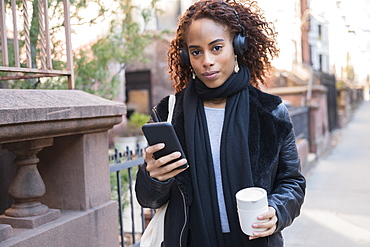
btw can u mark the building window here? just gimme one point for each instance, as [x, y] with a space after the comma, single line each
[319, 27]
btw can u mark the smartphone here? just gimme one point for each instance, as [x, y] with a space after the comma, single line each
[163, 132]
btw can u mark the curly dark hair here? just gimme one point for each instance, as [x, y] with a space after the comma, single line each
[260, 36]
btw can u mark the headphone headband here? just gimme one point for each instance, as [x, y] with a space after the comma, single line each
[237, 16]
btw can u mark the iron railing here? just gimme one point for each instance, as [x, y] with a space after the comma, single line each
[122, 161]
[23, 67]
[301, 122]
[329, 82]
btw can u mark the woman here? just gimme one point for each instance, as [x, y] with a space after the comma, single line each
[234, 136]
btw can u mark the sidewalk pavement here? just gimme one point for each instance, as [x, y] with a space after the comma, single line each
[336, 211]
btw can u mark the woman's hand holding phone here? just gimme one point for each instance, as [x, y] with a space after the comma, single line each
[159, 168]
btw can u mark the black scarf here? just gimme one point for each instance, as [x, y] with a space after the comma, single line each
[204, 224]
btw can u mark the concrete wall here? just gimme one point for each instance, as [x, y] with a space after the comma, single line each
[60, 144]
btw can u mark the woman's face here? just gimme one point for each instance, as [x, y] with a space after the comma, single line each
[211, 51]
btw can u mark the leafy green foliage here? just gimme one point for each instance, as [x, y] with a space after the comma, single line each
[138, 119]
[134, 124]
[123, 44]
[97, 68]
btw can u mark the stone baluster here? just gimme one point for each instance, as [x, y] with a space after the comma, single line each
[27, 186]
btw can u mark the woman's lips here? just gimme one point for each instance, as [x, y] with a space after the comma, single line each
[210, 75]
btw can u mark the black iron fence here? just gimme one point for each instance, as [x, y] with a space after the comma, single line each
[300, 117]
[329, 82]
[124, 165]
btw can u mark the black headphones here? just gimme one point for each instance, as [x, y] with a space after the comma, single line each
[240, 42]
[240, 45]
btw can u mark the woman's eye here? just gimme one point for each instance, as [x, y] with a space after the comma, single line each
[195, 52]
[217, 48]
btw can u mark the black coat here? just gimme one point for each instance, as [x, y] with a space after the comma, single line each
[274, 160]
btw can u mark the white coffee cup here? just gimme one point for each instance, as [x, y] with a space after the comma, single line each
[251, 202]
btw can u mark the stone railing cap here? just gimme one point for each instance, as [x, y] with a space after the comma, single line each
[24, 106]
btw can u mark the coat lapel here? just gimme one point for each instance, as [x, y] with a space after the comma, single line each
[266, 133]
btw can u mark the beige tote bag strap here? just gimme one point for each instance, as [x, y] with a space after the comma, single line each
[171, 107]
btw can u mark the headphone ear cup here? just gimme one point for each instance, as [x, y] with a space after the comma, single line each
[184, 56]
[240, 44]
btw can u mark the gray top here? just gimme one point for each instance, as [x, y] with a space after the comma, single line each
[215, 122]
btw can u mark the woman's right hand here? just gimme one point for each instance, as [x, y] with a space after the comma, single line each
[155, 167]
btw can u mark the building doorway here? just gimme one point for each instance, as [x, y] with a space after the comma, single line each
[138, 92]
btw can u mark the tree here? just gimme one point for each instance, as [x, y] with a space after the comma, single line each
[56, 11]
[124, 43]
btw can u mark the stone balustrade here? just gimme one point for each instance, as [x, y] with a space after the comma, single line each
[54, 170]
